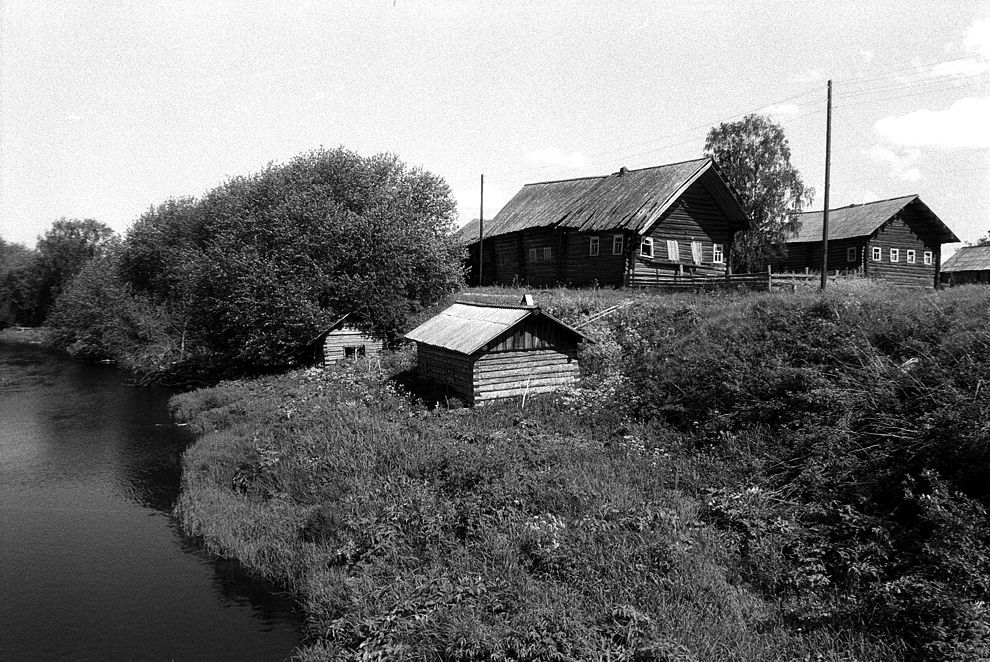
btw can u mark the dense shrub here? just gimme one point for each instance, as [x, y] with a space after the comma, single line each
[755, 477]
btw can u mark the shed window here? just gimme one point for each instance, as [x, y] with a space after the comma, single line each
[851, 254]
[646, 248]
[895, 254]
[673, 250]
[351, 352]
[616, 244]
[593, 246]
[877, 253]
[928, 257]
[910, 257]
[718, 257]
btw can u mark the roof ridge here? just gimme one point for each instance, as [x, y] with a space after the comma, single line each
[666, 165]
[561, 181]
[863, 204]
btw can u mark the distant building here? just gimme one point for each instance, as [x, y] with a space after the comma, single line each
[342, 340]
[484, 352]
[897, 240]
[619, 229]
[969, 264]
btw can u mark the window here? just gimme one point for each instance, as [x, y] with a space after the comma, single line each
[851, 254]
[928, 257]
[547, 254]
[877, 253]
[593, 246]
[696, 252]
[646, 248]
[617, 244]
[673, 250]
[503, 258]
[532, 255]
[717, 256]
[895, 254]
[910, 257]
[352, 352]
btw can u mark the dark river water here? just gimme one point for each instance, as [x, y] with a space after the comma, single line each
[92, 565]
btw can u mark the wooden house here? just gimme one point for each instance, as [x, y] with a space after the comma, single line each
[342, 340]
[614, 230]
[484, 352]
[897, 240]
[970, 264]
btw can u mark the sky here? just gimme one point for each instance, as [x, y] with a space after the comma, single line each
[108, 108]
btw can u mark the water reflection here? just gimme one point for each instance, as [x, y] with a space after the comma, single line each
[91, 563]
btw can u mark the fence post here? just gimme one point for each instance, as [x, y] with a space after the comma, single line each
[769, 278]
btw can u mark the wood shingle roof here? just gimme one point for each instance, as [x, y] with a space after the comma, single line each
[968, 258]
[864, 219]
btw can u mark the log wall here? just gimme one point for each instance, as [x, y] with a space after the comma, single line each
[446, 367]
[514, 373]
[905, 231]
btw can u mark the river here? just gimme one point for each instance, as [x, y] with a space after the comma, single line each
[92, 564]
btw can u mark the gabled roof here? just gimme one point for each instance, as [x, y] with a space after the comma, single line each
[968, 258]
[625, 200]
[864, 219]
[467, 327]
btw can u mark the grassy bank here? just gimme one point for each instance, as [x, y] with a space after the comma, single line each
[740, 477]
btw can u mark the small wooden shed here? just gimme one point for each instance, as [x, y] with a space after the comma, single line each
[484, 352]
[344, 341]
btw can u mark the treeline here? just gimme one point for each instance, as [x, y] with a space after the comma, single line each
[241, 280]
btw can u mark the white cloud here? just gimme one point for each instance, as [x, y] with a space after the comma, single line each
[964, 124]
[782, 109]
[553, 156]
[978, 37]
[808, 76]
[901, 163]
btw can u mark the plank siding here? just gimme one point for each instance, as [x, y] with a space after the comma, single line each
[904, 232]
[446, 367]
[337, 341]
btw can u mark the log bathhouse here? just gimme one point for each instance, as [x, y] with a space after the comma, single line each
[484, 352]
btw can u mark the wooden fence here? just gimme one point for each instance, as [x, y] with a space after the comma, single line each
[767, 281]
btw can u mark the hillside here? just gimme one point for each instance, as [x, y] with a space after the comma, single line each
[739, 477]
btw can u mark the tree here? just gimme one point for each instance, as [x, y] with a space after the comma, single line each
[253, 271]
[983, 241]
[17, 284]
[755, 158]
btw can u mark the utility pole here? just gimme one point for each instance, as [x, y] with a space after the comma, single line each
[481, 233]
[828, 164]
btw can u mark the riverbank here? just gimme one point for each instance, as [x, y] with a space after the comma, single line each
[35, 335]
[741, 477]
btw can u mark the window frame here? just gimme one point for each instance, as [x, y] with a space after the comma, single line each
[618, 243]
[718, 254]
[673, 255]
[929, 257]
[533, 255]
[911, 256]
[594, 246]
[647, 242]
[877, 254]
[894, 255]
[547, 254]
[852, 254]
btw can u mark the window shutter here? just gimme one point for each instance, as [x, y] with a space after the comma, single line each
[696, 251]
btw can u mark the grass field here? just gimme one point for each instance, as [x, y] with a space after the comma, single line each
[738, 477]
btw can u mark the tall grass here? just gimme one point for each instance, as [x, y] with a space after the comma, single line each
[740, 477]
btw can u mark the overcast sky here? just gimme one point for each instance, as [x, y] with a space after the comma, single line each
[111, 107]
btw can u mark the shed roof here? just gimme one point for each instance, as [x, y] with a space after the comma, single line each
[968, 258]
[624, 200]
[467, 327]
[864, 219]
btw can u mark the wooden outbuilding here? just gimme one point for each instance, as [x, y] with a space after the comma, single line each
[342, 340]
[897, 240]
[484, 352]
[969, 264]
[620, 229]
